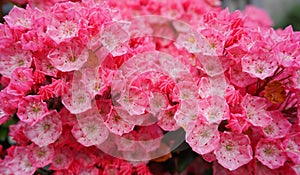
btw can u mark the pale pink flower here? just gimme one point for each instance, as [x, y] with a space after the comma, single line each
[45, 131]
[40, 156]
[77, 99]
[234, 150]
[116, 124]
[19, 18]
[291, 145]
[20, 163]
[202, 137]
[214, 109]
[62, 159]
[21, 81]
[259, 64]
[90, 128]
[279, 126]
[68, 56]
[255, 109]
[31, 109]
[270, 153]
[166, 118]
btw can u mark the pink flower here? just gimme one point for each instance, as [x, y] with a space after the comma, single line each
[32, 41]
[59, 87]
[259, 64]
[202, 137]
[31, 109]
[66, 22]
[20, 163]
[188, 112]
[166, 118]
[7, 36]
[113, 36]
[296, 78]
[68, 56]
[19, 18]
[90, 129]
[234, 150]
[270, 153]
[40, 156]
[116, 124]
[44, 65]
[240, 78]
[257, 17]
[233, 97]
[17, 134]
[21, 81]
[214, 109]
[13, 57]
[288, 54]
[165, 84]
[157, 103]
[291, 145]
[45, 131]
[77, 99]
[255, 108]
[279, 126]
[114, 83]
[3, 117]
[238, 123]
[62, 158]
[9, 102]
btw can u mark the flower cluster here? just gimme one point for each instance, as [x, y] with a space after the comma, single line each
[96, 86]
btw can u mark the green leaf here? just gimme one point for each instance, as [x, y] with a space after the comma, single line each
[3, 134]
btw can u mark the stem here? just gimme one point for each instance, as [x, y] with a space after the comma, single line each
[285, 78]
[286, 101]
[97, 49]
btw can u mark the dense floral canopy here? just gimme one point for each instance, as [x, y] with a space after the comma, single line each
[96, 86]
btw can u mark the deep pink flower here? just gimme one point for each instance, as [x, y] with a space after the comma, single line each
[46, 92]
